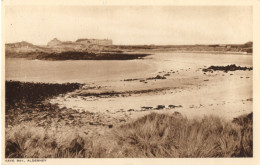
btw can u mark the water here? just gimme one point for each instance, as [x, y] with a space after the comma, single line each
[73, 71]
[101, 70]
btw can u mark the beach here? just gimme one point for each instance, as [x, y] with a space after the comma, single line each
[127, 86]
[108, 95]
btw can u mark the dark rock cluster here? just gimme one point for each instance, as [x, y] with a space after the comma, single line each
[226, 69]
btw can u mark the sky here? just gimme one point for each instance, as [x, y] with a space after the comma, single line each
[130, 25]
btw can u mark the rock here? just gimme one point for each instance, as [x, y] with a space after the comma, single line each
[174, 106]
[147, 108]
[160, 107]
[157, 77]
[71, 117]
[227, 68]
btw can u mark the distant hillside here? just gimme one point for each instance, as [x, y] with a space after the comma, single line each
[23, 47]
[20, 44]
[218, 48]
[57, 50]
[83, 49]
[250, 43]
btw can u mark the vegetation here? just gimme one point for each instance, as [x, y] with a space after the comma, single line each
[154, 135]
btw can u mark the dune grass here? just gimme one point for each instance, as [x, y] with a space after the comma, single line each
[160, 135]
[154, 135]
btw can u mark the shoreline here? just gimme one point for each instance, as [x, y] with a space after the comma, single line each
[111, 56]
[182, 89]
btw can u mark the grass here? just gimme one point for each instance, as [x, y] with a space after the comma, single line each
[154, 135]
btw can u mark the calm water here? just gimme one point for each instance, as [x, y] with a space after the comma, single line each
[86, 71]
[73, 71]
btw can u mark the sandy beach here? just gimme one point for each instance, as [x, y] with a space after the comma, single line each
[193, 92]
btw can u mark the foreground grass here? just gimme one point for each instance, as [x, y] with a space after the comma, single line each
[154, 135]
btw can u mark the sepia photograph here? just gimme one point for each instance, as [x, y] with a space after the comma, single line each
[130, 81]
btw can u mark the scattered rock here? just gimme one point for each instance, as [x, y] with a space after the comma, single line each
[227, 68]
[160, 107]
[147, 108]
[174, 106]
[157, 77]
[134, 79]
[167, 74]
[71, 117]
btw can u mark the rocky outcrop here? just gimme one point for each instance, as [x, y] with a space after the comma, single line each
[54, 42]
[227, 68]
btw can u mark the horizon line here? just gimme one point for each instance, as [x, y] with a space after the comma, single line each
[141, 44]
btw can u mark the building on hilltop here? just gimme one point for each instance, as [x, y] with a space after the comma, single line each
[83, 42]
[95, 41]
